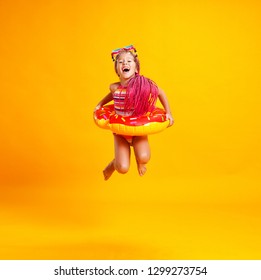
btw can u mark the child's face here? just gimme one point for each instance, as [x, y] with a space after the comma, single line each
[126, 66]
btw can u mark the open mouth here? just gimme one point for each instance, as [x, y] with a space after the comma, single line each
[126, 70]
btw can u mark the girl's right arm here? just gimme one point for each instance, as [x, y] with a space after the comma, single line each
[104, 101]
[108, 97]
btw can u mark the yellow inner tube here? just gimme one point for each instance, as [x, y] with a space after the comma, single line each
[152, 122]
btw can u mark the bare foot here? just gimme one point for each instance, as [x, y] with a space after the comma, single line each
[141, 168]
[107, 172]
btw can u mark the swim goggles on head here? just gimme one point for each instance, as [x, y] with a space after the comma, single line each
[129, 48]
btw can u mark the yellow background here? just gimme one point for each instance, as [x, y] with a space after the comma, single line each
[200, 198]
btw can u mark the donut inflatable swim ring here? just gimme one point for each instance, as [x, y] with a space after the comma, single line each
[153, 122]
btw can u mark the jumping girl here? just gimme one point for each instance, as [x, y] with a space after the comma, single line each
[133, 95]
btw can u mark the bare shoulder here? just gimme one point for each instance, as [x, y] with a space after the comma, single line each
[160, 91]
[114, 86]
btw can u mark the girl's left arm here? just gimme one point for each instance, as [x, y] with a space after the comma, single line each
[164, 101]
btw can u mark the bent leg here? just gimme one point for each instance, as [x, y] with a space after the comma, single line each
[121, 162]
[142, 152]
[122, 154]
